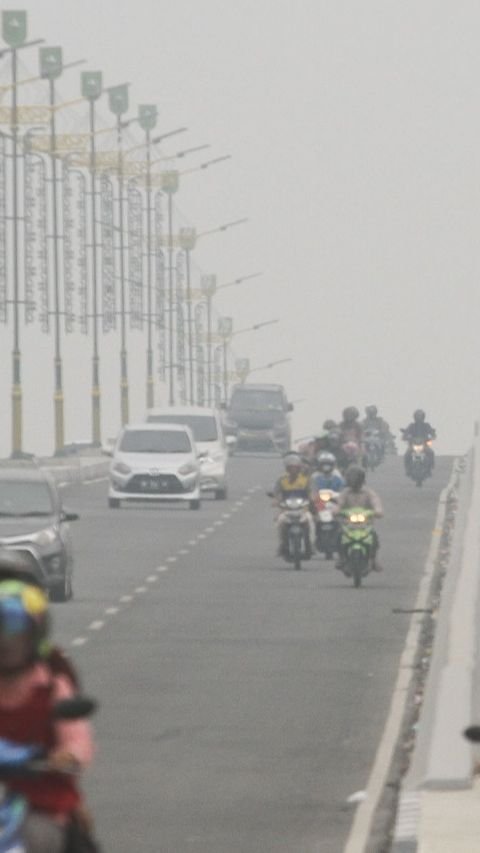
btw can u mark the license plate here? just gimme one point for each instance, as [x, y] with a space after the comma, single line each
[325, 516]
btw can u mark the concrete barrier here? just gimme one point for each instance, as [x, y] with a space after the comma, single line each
[442, 759]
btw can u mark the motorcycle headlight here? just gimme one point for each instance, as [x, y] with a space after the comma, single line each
[44, 537]
[188, 468]
[325, 496]
[418, 448]
[121, 468]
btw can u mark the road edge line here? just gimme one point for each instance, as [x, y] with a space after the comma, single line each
[361, 828]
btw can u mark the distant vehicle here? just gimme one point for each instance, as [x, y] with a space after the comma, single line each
[208, 433]
[258, 417]
[155, 462]
[34, 522]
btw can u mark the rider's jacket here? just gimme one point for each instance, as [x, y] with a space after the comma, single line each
[296, 488]
[365, 497]
[351, 431]
[376, 423]
[26, 716]
[334, 482]
[421, 430]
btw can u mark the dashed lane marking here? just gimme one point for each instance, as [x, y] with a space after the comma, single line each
[125, 599]
[152, 579]
[162, 569]
[110, 611]
[140, 589]
[97, 625]
[79, 641]
[172, 559]
[192, 542]
[184, 551]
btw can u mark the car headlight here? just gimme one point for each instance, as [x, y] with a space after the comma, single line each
[44, 537]
[188, 468]
[121, 468]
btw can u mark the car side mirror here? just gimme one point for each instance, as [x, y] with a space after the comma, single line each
[290, 407]
[69, 516]
[231, 440]
[202, 454]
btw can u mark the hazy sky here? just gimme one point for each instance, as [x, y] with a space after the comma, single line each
[354, 132]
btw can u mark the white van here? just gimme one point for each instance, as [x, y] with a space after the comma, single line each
[207, 429]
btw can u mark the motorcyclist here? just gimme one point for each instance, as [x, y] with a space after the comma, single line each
[294, 483]
[419, 430]
[15, 566]
[351, 438]
[327, 476]
[28, 693]
[373, 421]
[329, 439]
[356, 494]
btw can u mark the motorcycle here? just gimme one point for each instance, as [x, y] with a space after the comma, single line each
[298, 547]
[420, 460]
[357, 539]
[325, 523]
[349, 454]
[27, 760]
[373, 449]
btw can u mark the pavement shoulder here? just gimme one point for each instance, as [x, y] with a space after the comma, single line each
[449, 821]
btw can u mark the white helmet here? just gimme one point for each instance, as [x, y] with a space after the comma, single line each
[326, 461]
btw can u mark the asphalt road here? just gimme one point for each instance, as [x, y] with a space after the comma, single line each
[242, 702]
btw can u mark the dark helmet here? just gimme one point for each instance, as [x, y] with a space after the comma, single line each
[371, 411]
[418, 415]
[329, 424]
[350, 414]
[24, 608]
[355, 477]
[14, 565]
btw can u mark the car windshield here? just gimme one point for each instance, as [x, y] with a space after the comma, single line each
[25, 498]
[260, 400]
[153, 441]
[204, 427]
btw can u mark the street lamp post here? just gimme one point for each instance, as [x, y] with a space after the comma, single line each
[14, 31]
[91, 90]
[187, 240]
[51, 67]
[170, 184]
[147, 117]
[225, 331]
[118, 103]
[209, 288]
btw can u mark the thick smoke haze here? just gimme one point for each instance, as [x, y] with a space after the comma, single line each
[353, 129]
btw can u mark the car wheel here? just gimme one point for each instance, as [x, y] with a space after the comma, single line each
[62, 591]
[114, 503]
[221, 494]
[195, 504]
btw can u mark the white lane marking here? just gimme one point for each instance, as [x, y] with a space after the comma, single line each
[218, 523]
[152, 579]
[172, 559]
[184, 551]
[161, 569]
[125, 599]
[225, 515]
[110, 611]
[202, 536]
[209, 530]
[192, 542]
[238, 503]
[140, 589]
[79, 641]
[95, 626]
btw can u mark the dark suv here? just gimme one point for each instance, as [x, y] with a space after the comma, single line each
[33, 521]
[258, 416]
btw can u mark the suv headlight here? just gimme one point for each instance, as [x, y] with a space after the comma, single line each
[121, 468]
[44, 537]
[188, 468]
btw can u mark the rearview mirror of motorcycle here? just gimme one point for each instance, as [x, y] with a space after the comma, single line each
[76, 708]
[472, 733]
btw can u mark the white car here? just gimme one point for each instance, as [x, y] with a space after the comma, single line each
[206, 426]
[155, 462]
